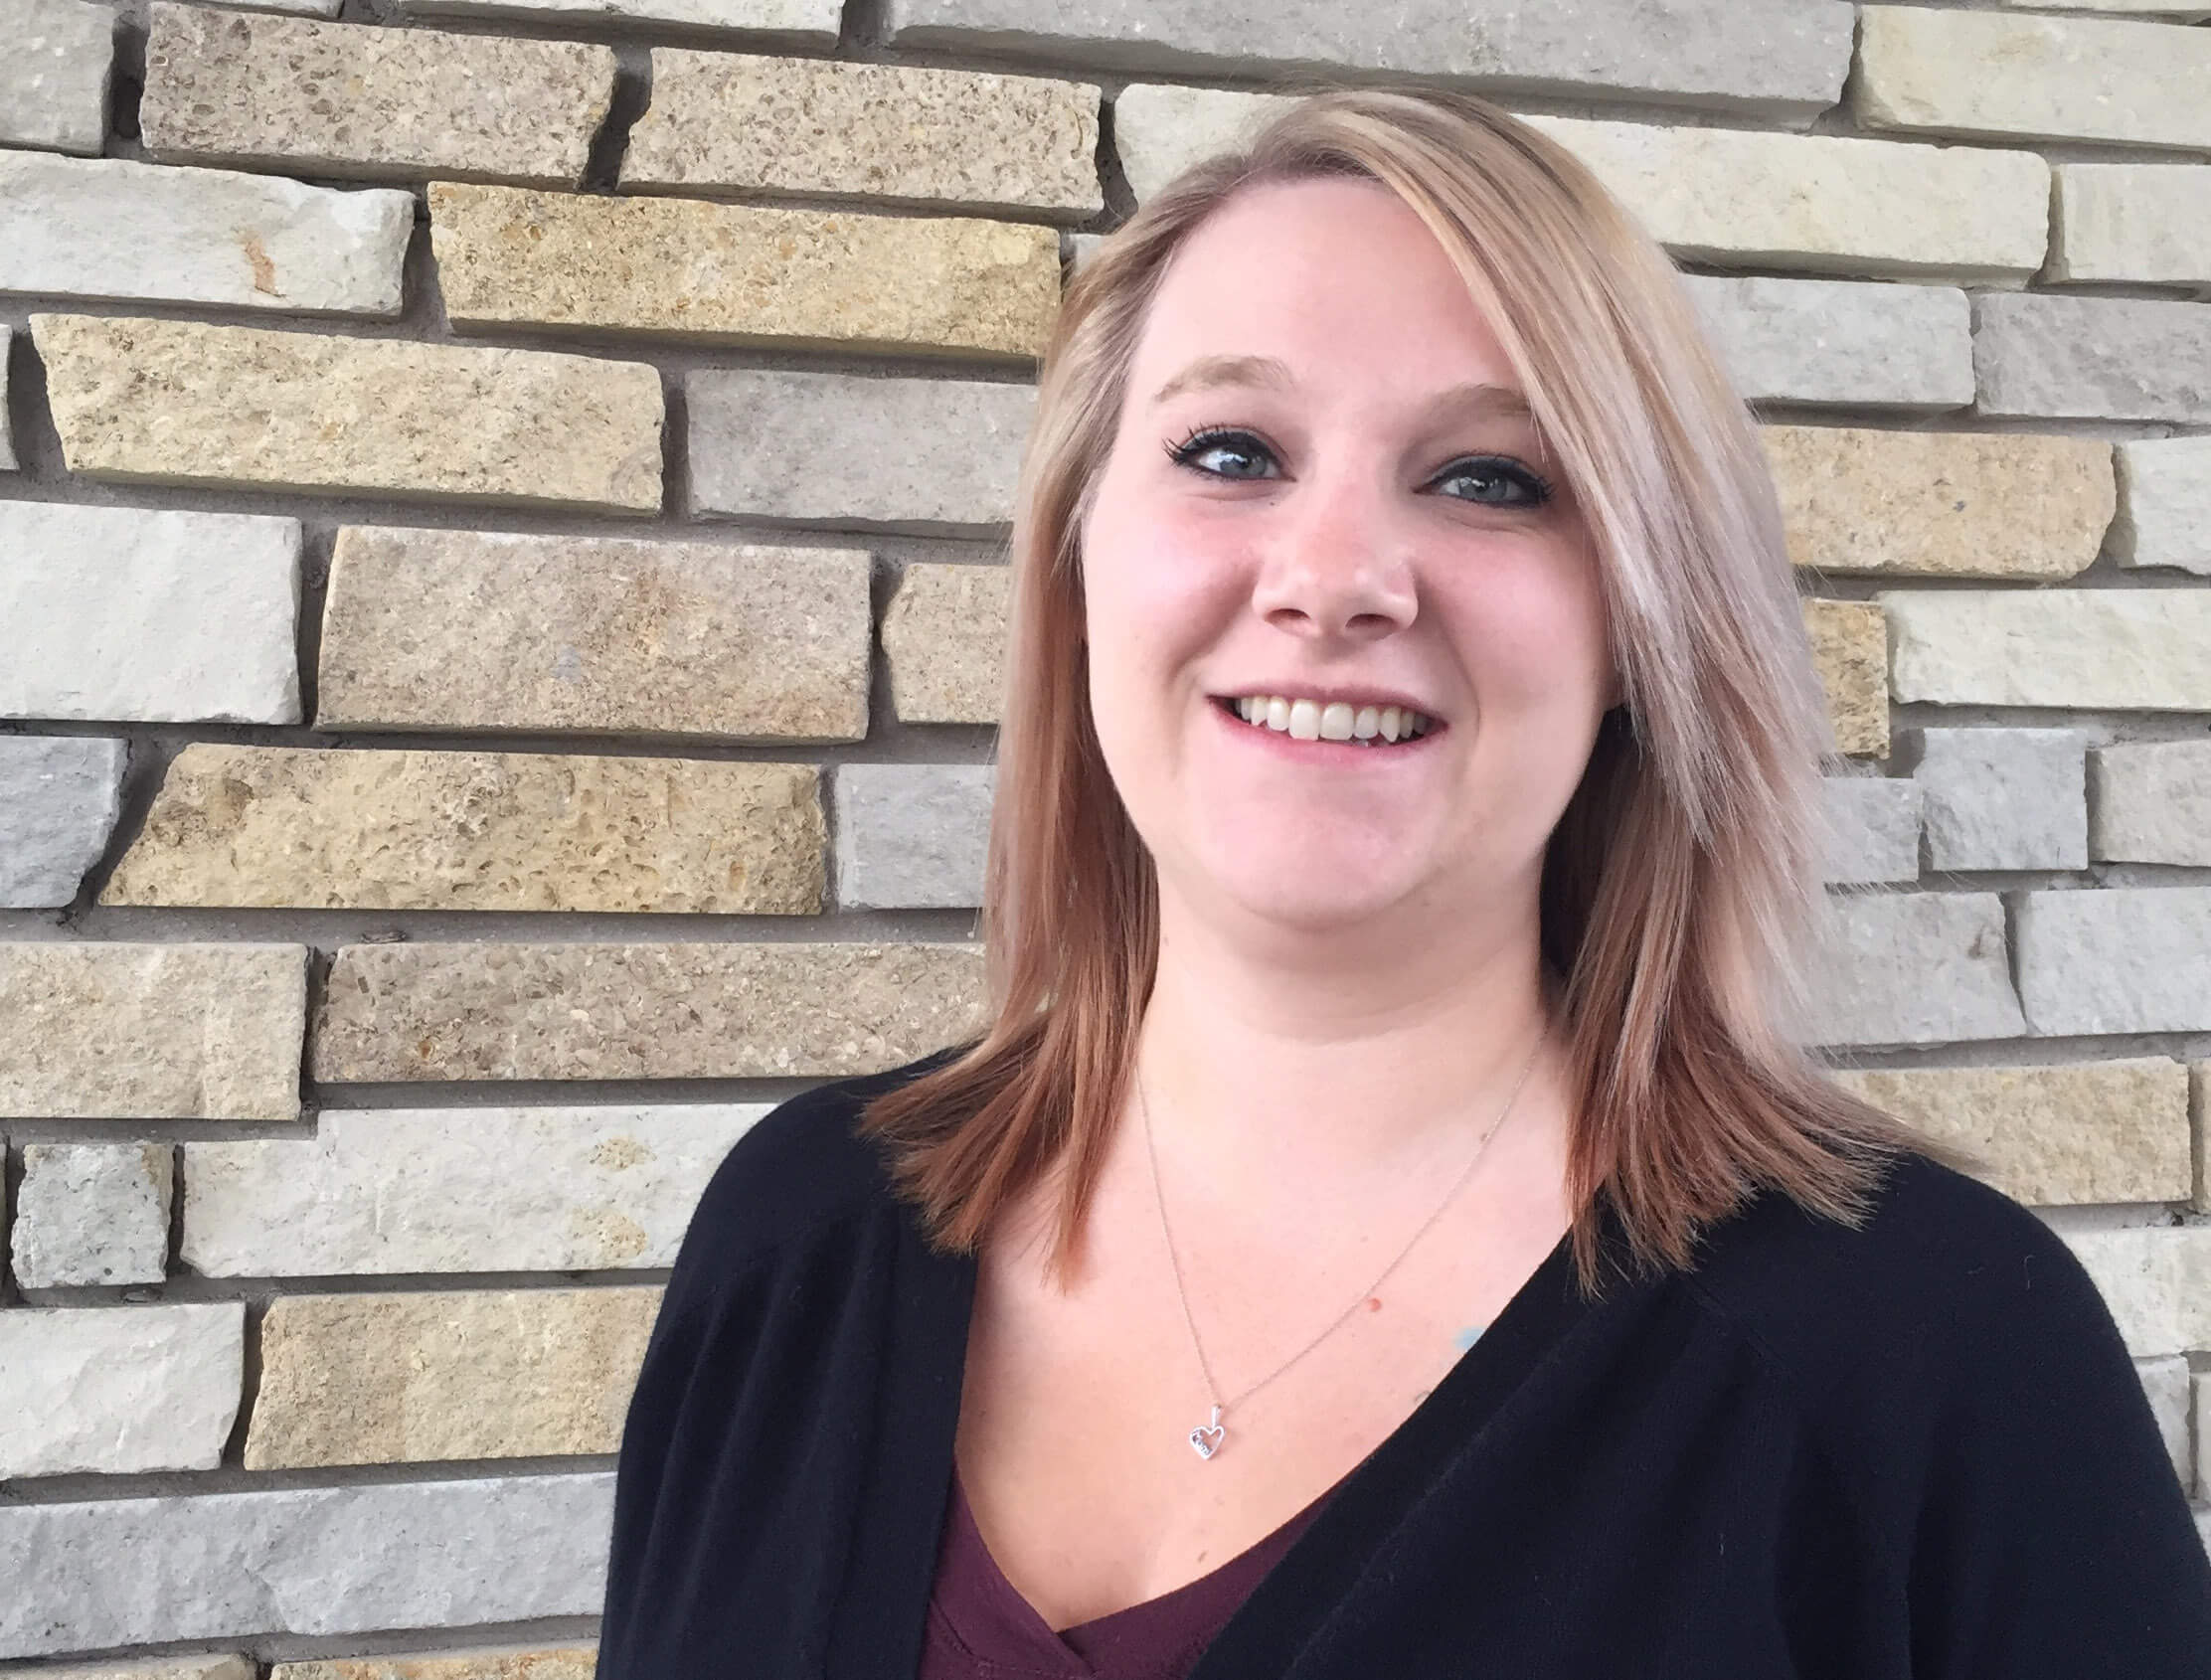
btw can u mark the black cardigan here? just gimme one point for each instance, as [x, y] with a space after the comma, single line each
[1914, 1449]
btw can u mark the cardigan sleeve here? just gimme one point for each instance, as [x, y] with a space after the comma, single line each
[2052, 1539]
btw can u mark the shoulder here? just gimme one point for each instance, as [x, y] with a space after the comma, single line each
[797, 1173]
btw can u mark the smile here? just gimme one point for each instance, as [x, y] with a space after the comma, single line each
[1334, 729]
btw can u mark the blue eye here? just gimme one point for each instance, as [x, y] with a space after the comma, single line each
[1501, 482]
[1233, 455]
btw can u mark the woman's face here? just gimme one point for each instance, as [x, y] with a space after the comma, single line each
[1324, 488]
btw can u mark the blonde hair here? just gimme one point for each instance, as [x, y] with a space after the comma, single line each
[1681, 884]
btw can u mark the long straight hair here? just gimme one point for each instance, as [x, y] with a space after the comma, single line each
[1680, 887]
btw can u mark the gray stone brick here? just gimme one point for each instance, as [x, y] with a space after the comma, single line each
[54, 82]
[912, 836]
[229, 1667]
[1914, 968]
[2202, 1388]
[401, 1190]
[312, 1561]
[115, 1390]
[1873, 830]
[1781, 57]
[59, 800]
[88, 1214]
[2135, 650]
[2002, 798]
[2038, 355]
[2165, 1384]
[148, 615]
[2164, 504]
[8, 463]
[2146, 223]
[941, 455]
[110, 228]
[2156, 1279]
[765, 22]
[1840, 342]
[2150, 803]
[2116, 960]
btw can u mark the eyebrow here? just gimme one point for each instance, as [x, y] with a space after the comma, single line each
[1475, 401]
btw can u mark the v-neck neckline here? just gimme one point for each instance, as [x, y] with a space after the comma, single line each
[877, 1626]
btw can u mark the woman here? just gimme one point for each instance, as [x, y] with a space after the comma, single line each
[1387, 1228]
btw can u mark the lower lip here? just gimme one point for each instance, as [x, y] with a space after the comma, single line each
[1323, 752]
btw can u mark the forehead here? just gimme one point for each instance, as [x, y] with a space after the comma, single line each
[1338, 279]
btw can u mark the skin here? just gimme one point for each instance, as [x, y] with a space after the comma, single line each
[1348, 982]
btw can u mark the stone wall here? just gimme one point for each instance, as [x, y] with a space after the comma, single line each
[499, 616]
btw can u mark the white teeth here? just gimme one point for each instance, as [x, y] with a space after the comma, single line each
[1337, 720]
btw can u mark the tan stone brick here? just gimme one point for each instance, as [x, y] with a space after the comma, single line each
[733, 273]
[334, 98]
[151, 1032]
[933, 138]
[387, 1379]
[2099, 1131]
[145, 1668]
[418, 830]
[1941, 504]
[945, 641]
[573, 1662]
[147, 400]
[435, 1011]
[1849, 644]
[494, 630]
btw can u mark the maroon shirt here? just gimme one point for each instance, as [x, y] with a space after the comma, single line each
[982, 1629]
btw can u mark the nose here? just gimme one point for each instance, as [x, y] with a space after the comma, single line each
[1334, 563]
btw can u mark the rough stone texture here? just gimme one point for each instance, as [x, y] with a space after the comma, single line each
[2165, 1385]
[115, 1390]
[151, 1032]
[2099, 1132]
[941, 454]
[2175, 11]
[1850, 646]
[2202, 1388]
[2164, 504]
[1914, 968]
[492, 631]
[2146, 223]
[8, 463]
[311, 1561]
[2150, 803]
[912, 836]
[2038, 355]
[90, 1214]
[140, 400]
[945, 643]
[1941, 504]
[59, 800]
[351, 99]
[378, 1379]
[2113, 649]
[385, 1191]
[1160, 130]
[1840, 342]
[767, 23]
[945, 139]
[54, 81]
[734, 274]
[2116, 960]
[1873, 830]
[2003, 798]
[1783, 58]
[572, 1662]
[152, 615]
[110, 228]
[1982, 73]
[408, 830]
[2156, 1279]
[642, 1011]
[156, 1668]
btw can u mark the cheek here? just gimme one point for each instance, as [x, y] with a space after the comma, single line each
[1537, 632]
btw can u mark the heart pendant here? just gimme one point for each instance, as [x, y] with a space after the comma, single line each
[1205, 1440]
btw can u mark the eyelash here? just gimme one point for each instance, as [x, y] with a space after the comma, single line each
[1185, 450]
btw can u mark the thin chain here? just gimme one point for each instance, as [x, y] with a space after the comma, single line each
[1213, 1388]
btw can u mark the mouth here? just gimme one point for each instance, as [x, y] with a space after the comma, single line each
[1336, 731]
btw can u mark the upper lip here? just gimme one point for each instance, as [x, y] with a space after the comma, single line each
[1353, 697]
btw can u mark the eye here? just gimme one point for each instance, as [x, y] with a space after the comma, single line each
[1495, 482]
[1219, 452]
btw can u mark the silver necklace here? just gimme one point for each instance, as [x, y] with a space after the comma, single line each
[1206, 1438]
